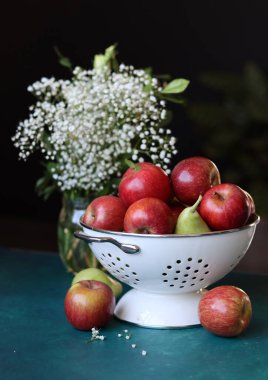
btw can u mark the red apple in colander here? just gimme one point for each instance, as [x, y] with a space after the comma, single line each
[192, 177]
[142, 181]
[148, 216]
[106, 212]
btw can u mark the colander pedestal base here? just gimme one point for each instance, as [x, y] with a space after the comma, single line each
[159, 310]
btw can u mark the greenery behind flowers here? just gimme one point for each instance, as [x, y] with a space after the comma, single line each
[233, 127]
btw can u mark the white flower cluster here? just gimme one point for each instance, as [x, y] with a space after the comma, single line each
[95, 335]
[88, 124]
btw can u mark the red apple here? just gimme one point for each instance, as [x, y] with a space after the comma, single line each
[89, 304]
[251, 203]
[176, 208]
[192, 177]
[225, 311]
[224, 207]
[252, 207]
[106, 212]
[143, 181]
[148, 216]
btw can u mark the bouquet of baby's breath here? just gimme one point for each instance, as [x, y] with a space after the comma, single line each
[86, 127]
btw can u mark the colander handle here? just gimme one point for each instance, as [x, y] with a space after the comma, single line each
[127, 248]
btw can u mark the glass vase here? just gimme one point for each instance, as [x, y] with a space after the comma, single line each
[74, 253]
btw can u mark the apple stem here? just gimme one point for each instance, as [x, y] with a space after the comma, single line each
[194, 206]
[219, 196]
[132, 165]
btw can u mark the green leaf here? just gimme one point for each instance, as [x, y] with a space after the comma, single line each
[99, 61]
[40, 182]
[64, 61]
[148, 70]
[132, 165]
[176, 86]
[48, 191]
[106, 59]
[45, 186]
[148, 86]
[173, 98]
[110, 52]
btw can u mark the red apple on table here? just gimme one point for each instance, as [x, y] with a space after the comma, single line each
[225, 206]
[225, 311]
[143, 181]
[193, 176]
[106, 212]
[148, 216]
[89, 304]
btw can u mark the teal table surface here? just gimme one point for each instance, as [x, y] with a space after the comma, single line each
[37, 342]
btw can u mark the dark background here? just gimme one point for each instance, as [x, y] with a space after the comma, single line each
[181, 38]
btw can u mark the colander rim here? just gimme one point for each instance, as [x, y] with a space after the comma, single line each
[255, 221]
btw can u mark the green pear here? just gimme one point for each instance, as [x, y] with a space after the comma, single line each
[99, 275]
[190, 222]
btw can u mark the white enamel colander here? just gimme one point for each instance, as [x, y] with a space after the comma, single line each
[168, 273]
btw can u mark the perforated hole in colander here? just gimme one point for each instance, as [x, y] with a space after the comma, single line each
[185, 272]
[122, 270]
[102, 257]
